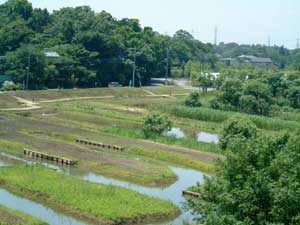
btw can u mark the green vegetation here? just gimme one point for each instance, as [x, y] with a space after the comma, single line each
[193, 100]
[94, 202]
[13, 217]
[257, 94]
[237, 128]
[93, 49]
[218, 116]
[257, 183]
[156, 124]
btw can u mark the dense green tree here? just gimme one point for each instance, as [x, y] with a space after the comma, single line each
[237, 128]
[156, 124]
[256, 98]
[294, 96]
[193, 100]
[257, 184]
[230, 92]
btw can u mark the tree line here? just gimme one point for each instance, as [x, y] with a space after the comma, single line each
[94, 48]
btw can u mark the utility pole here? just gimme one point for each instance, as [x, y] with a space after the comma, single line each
[298, 43]
[167, 65]
[269, 41]
[28, 66]
[134, 66]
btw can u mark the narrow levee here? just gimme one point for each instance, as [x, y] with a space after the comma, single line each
[173, 193]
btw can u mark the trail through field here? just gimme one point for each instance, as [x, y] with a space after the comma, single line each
[77, 98]
[32, 105]
[149, 92]
[29, 105]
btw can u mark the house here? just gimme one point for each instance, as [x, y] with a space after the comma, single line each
[228, 61]
[255, 60]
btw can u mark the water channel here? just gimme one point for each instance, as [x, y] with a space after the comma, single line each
[186, 178]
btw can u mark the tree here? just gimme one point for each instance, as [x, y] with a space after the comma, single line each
[294, 96]
[21, 8]
[193, 100]
[156, 124]
[257, 183]
[237, 128]
[205, 81]
[256, 98]
[230, 92]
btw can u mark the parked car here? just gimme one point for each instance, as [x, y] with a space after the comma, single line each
[114, 84]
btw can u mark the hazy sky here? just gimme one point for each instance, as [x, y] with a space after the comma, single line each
[243, 21]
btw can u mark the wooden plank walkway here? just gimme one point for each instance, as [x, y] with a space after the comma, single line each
[190, 193]
[100, 145]
[49, 157]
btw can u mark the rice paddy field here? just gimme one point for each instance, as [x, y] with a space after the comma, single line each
[12, 217]
[112, 116]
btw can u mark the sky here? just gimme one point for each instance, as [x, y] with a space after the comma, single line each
[241, 21]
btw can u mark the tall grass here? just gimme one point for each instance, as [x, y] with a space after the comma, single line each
[217, 116]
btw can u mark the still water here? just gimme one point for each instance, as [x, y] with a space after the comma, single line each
[37, 210]
[208, 138]
[173, 193]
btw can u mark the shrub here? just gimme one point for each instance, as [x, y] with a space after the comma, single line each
[294, 97]
[237, 128]
[156, 124]
[193, 100]
[9, 86]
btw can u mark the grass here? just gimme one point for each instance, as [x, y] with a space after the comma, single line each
[94, 202]
[13, 217]
[117, 121]
[148, 173]
[175, 158]
[216, 116]
[186, 142]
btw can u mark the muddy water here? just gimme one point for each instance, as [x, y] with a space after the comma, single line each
[173, 193]
[37, 210]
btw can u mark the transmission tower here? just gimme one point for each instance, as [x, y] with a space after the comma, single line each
[216, 36]
[298, 43]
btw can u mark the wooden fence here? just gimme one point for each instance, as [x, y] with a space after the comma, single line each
[100, 145]
[49, 157]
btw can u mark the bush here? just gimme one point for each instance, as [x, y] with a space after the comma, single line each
[294, 97]
[156, 124]
[9, 86]
[193, 100]
[237, 128]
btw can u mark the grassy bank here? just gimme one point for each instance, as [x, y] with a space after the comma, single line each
[217, 116]
[147, 174]
[13, 217]
[101, 204]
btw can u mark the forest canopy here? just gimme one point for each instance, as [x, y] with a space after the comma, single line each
[87, 49]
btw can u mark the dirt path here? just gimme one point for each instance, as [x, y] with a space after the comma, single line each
[149, 92]
[29, 105]
[77, 98]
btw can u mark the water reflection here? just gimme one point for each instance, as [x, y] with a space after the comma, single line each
[175, 132]
[208, 138]
[173, 193]
[34, 209]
